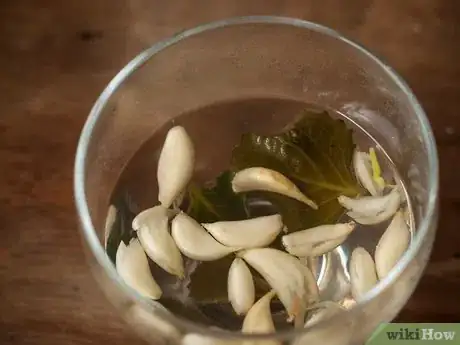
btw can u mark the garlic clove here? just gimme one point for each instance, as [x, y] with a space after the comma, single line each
[259, 320]
[241, 289]
[258, 178]
[363, 276]
[312, 263]
[372, 209]
[363, 171]
[293, 282]
[367, 206]
[327, 246]
[152, 226]
[317, 240]
[132, 265]
[250, 233]
[391, 245]
[175, 165]
[195, 242]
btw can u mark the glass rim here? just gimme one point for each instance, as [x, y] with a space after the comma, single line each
[89, 233]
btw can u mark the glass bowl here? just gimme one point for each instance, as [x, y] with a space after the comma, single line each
[253, 57]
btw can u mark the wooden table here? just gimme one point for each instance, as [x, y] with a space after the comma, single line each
[55, 58]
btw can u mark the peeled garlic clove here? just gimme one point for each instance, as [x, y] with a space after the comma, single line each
[372, 209]
[132, 265]
[363, 171]
[241, 290]
[293, 282]
[363, 276]
[312, 264]
[195, 242]
[327, 246]
[259, 320]
[368, 206]
[392, 245]
[152, 226]
[175, 165]
[317, 240]
[250, 233]
[259, 178]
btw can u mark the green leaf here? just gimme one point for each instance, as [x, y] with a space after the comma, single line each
[329, 145]
[315, 152]
[217, 202]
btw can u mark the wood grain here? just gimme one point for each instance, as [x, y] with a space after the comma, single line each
[55, 58]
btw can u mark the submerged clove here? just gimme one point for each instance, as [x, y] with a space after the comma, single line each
[175, 165]
[363, 171]
[263, 179]
[132, 265]
[195, 242]
[259, 320]
[392, 245]
[241, 289]
[293, 282]
[372, 209]
[250, 233]
[317, 240]
[363, 276]
[152, 226]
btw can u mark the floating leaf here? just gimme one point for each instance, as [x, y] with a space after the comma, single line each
[215, 203]
[315, 152]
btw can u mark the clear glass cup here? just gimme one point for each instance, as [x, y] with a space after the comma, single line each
[246, 57]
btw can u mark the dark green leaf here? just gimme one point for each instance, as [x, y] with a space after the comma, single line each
[329, 144]
[217, 202]
[316, 153]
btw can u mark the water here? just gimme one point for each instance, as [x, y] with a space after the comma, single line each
[215, 129]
